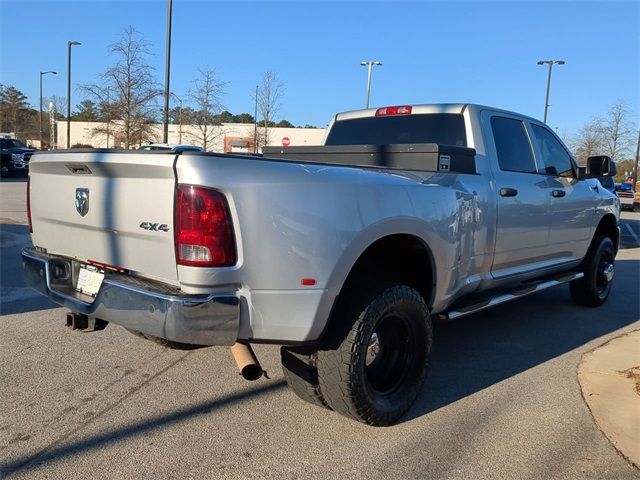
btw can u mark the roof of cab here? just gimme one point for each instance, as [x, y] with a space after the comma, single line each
[426, 108]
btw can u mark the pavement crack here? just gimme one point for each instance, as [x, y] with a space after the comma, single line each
[84, 423]
[78, 404]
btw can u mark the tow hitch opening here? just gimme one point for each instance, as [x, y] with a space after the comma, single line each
[79, 321]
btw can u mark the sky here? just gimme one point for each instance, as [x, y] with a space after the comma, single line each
[431, 52]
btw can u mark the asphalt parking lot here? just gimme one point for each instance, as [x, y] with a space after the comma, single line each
[501, 401]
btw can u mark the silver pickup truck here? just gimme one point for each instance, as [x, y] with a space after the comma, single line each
[342, 253]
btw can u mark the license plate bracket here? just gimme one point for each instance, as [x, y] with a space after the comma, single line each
[89, 280]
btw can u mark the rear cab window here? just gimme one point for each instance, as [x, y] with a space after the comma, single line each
[441, 128]
[512, 145]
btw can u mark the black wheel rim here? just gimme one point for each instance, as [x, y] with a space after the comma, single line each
[389, 355]
[604, 274]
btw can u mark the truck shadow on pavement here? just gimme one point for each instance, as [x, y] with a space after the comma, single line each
[478, 351]
[15, 296]
[58, 452]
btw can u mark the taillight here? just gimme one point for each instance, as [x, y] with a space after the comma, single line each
[400, 110]
[29, 204]
[203, 229]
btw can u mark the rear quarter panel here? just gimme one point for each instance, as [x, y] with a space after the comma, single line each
[295, 221]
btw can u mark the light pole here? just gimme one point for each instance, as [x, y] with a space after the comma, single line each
[167, 71]
[546, 101]
[369, 64]
[69, 45]
[255, 123]
[635, 167]
[41, 129]
[180, 116]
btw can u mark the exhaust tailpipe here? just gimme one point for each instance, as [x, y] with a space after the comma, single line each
[247, 362]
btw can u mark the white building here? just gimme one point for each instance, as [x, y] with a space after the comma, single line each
[228, 137]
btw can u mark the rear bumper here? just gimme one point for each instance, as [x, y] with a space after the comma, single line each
[151, 308]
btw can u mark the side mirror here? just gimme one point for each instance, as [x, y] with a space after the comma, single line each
[601, 166]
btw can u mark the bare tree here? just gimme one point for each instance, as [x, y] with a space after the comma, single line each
[617, 132]
[611, 135]
[206, 97]
[270, 94]
[588, 142]
[132, 90]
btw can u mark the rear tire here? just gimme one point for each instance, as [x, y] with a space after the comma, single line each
[593, 289]
[377, 355]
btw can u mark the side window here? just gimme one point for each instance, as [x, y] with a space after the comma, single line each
[555, 158]
[512, 145]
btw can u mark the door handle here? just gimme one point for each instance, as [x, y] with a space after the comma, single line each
[558, 193]
[508, 192]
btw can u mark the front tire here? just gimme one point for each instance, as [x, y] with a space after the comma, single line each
[377, 358]
[599, 265]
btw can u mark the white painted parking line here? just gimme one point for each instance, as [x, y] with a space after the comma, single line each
[633, 234]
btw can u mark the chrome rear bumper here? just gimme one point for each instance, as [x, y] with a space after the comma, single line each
[148, 307]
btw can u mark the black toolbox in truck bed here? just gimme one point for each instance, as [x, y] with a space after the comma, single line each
[420, 156]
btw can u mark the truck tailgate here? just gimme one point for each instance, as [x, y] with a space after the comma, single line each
[128, 198]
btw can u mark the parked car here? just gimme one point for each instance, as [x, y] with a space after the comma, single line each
[624, 187]
[14, 157]
[625, 193]
[343, 253]
[171, 147]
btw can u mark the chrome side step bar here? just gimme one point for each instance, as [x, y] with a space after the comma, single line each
[507, 297]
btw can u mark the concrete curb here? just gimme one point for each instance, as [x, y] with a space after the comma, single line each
[609, 377]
